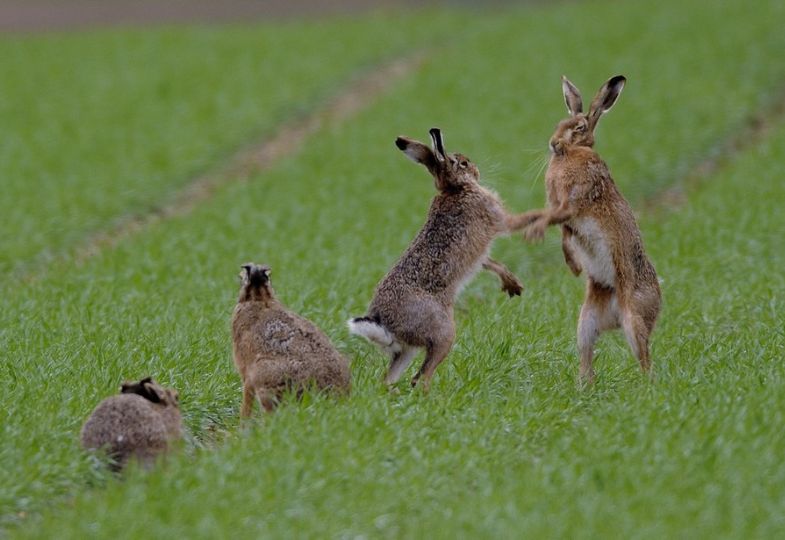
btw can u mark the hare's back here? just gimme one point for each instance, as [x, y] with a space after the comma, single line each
[450, 243]
[123, 421]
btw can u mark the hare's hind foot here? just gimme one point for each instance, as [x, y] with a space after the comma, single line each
[399, 362]
[434, 355]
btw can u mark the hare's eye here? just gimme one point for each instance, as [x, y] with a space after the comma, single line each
[580, 128]
[463, 164]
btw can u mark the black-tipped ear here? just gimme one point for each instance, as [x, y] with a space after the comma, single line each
[606, 97]
[145, 388]
[134, 387]
[255, 275]
[572, 96]
[417, 152]
[264, 273]
[611, 91]
[437, 143]
[152, 392]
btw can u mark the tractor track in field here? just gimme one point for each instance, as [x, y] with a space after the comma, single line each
[754, 129]
[252, 159]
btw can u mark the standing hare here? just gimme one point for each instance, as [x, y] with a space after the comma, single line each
[276, 350]
[142, 422]
[413, 305]
[599, 232]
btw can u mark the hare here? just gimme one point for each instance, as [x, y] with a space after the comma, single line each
[275, 349]
[599, 232]
[142, 422]
[413, 305]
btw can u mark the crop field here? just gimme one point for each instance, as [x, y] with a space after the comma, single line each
[101, 129]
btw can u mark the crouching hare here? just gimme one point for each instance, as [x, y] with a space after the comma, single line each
[142, 422]
[599, 232]
[276, 350]
[413, 304]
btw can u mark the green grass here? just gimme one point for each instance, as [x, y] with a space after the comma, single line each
[108, 123]
[505, 444]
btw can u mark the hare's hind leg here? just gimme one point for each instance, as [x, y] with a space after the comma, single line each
[248, 397]
[268, 399]
[599, 313]
[400, 361]
[638, 323]
[637, 335]
[435, 353]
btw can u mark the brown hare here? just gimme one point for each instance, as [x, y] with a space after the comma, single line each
[599, 232]
[142, 422]
[413, 305]
[276, 350]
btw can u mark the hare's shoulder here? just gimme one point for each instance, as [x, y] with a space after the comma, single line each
[467, 207]
[585, 182]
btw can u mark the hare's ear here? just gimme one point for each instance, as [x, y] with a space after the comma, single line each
[605, 98]
[437, 144]
[129, 387]
[146, 388]
[245, 273]
[152, 392]
[264, 274]
[572, 96]
[417, 152]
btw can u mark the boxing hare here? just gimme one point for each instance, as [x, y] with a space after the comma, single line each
[413, 304]
[599, 232]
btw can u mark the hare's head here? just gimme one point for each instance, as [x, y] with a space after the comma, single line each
[255, 280]
[450, 172]
[152, 391]
[167, 401]
[578, 129]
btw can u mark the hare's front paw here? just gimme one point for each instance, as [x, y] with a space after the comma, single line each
[512, 287]
[536, 231]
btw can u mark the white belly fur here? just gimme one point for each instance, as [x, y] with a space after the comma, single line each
[591, 247]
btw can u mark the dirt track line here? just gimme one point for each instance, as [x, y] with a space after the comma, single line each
[752, 131]
[262, 156]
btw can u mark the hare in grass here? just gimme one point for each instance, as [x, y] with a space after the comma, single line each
[276, 350]
[599, 232]
[413, 304]
[142, 422]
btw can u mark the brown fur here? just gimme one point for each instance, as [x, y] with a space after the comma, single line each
[142, 422]
[413, 305]
[276, 350]
[599, 231]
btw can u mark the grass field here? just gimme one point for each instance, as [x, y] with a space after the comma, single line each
[109, 123]
[505, 444]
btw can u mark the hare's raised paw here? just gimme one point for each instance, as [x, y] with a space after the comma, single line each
[513, 288]
[535, 232]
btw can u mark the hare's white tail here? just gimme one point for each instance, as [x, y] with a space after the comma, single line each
[371, 330]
